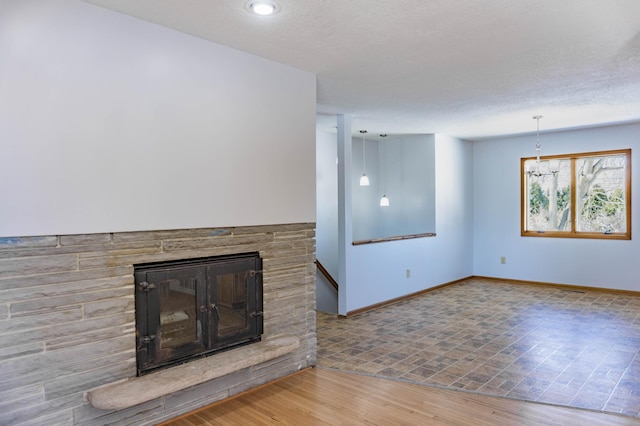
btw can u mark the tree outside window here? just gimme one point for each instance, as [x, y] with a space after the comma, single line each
[578, 195]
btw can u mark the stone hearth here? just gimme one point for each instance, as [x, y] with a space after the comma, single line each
[67, 320]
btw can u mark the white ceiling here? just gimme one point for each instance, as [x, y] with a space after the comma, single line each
[467, 68]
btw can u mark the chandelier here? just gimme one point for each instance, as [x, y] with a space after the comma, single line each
[553, 165]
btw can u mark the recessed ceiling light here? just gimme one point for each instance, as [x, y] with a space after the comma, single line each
[264, 7]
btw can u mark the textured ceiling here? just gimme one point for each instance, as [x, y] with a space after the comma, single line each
[467, 68]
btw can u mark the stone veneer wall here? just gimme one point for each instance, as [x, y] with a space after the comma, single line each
[67, 320]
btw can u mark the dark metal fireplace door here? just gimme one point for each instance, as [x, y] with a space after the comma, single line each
[192, 308]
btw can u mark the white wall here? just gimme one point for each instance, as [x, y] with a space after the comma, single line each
[377, 272]
[109, 123]
[496, 223]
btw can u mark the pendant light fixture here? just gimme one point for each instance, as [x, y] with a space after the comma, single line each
[384, 201]
[553, 165]
[364, 179]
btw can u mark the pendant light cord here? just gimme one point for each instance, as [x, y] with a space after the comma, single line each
[364, 155]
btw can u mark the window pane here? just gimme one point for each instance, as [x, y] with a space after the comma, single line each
[549, 195]
[600, 184]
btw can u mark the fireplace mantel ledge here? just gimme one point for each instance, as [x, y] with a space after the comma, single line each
[136, 390]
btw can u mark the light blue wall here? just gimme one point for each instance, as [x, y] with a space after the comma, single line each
[377, 272]
[374, 273]
[478, 221]
[496, 220]
[402, 167]
[326, 217]
[366, 199]
[327, 200]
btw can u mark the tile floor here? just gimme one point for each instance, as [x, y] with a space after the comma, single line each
[530, 342]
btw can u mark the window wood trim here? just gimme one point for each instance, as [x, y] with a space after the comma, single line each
[572, 233]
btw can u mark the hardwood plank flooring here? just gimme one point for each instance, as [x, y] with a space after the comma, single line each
[326, 397]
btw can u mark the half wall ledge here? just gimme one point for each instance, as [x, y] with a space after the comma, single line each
[396, 238]
[137, 390]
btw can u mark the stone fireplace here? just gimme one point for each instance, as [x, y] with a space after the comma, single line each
[68, 329]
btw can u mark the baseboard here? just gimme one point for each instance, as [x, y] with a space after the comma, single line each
[570, 287]
[398, 299]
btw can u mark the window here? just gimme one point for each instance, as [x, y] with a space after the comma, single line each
[577, 195]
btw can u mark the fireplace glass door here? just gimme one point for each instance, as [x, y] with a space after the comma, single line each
[192, 308]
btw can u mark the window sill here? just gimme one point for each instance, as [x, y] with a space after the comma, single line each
[137, 390]
[587, 235]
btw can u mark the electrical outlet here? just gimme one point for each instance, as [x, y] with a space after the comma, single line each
[503, 260]
[408, 273]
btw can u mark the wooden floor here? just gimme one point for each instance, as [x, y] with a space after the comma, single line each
[326, 397]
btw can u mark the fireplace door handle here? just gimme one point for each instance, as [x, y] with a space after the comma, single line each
[214, 308]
